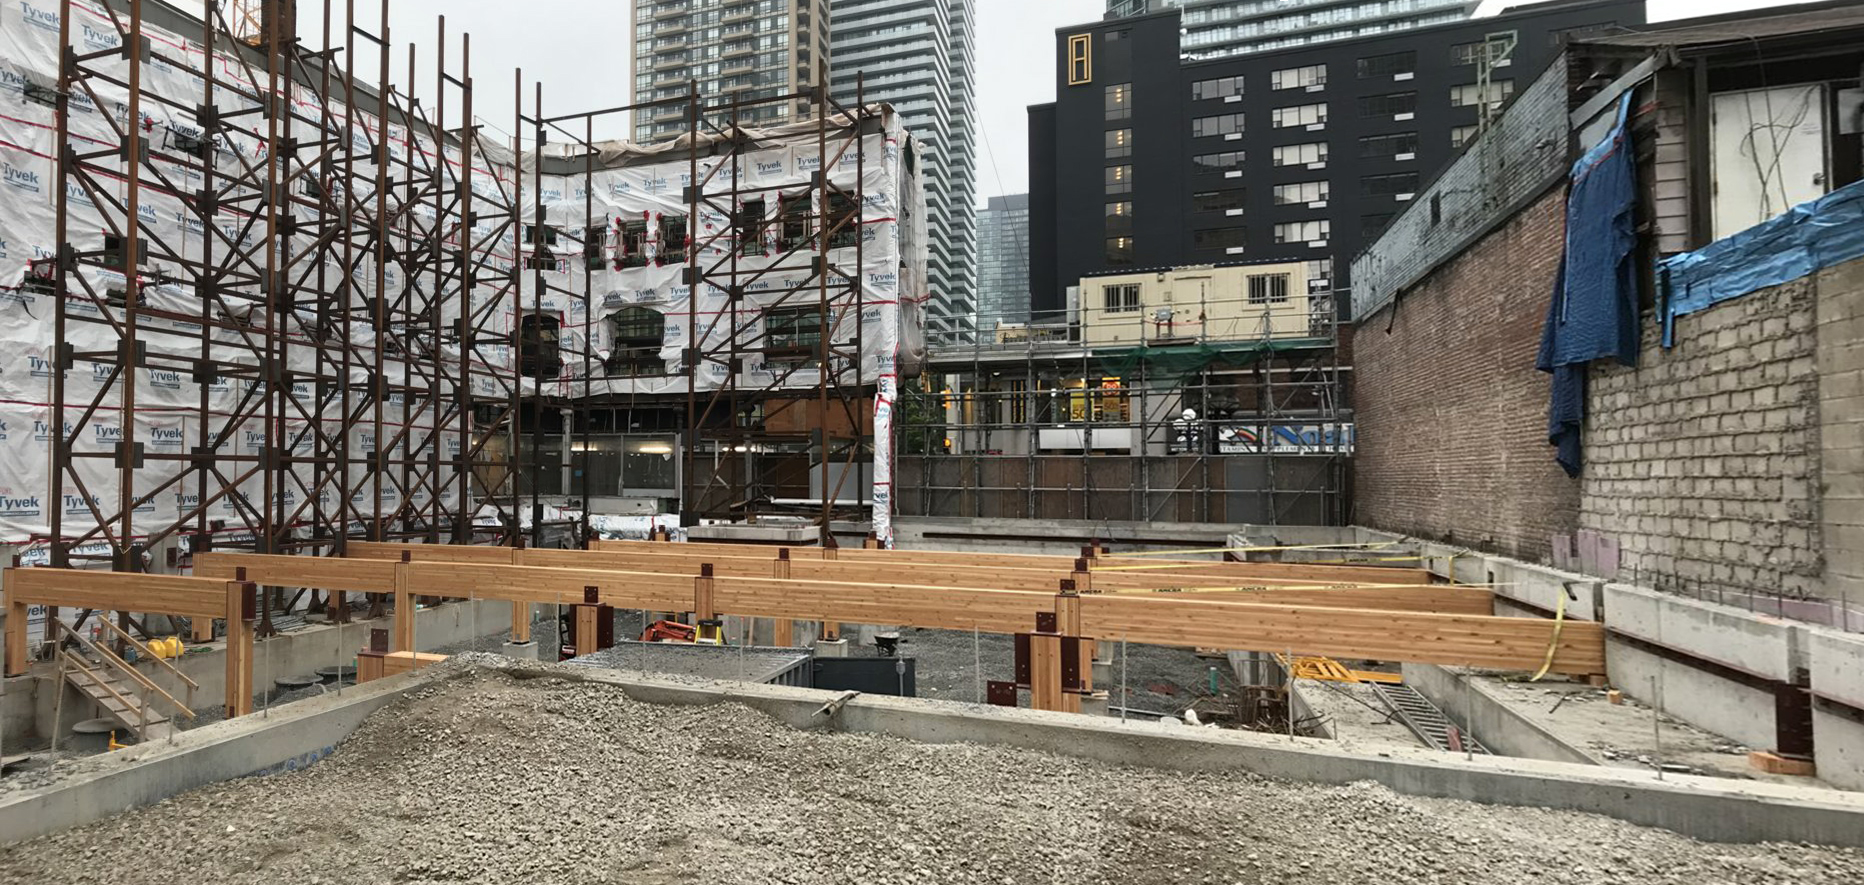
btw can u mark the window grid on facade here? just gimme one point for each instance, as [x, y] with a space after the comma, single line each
[1121, 298]
[1298, 115]
[1219, 87]
[1119, 143]
[1301, 192]
[1315, 231]
[1119, 101]
[1214, 201]
[1222, 238]
[1385, 185]
[1120, 219]
[1470, 94]
[1298, 78]
[1461, 135]
[1299, 154]
[1119, 179]
[1119, 250]
[1218, 162]
[1268, 288]
[1494, 47]
[1221, 124]
[1388, 145]
[1387, 105]
[1389, 64]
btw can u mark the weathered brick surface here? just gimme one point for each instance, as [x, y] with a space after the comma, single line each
[1452, 440]
[1703, 460]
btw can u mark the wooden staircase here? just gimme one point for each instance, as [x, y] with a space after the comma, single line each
[125, 693]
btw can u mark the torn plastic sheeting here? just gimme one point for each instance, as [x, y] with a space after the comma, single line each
[1799, 242]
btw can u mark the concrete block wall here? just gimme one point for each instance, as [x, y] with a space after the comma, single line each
[1703, 461]
[1451, 413]
[1840, 333]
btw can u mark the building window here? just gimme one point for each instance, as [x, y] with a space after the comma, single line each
[1388, 105]
[1391, 145]
[1384, 185]
[1222, 162]
[1221, 87]
[1080, 59]
[1372, 225]
[1119, 101]
[1298, 78]
[1495, 48]
[1222, 239]
[1470, 94]
[793, 335]
[1120, 219]
[1301, 192]
[1119, 143]
[1119, 251]
[1268, 288]
[1300, 154]
[1119, 179]
[1222, 124]
[635, 335]
[1217, 201]
[1303, 231]
[1390, 64]
[1299, 115]
[750, 227]
[1461, 135]
[1122, 298]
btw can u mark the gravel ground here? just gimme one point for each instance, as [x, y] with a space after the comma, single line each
[543, 779]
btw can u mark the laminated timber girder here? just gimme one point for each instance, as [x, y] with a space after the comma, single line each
[1453, 638]
[200, 598]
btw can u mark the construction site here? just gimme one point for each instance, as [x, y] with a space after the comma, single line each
[416, 497]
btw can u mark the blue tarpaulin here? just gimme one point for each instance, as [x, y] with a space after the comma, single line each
[1594, 309]
[1807, 237]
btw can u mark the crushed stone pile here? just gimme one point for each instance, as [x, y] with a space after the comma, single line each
[534, 776]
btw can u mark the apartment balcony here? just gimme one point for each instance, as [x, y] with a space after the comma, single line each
[668, 10]
[668, 114]
[672, 28]
[670, 62]
[738, 14]
[737, 50]
[738, 65]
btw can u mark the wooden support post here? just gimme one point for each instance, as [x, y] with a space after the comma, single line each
[242, 605]
[1082, 577]
[1068, 623]
[871, 542]
[1045, 672]
[203, 629]
[587, 637]
[520, 622]
[783, 630]
[404, 610]
[702, 595]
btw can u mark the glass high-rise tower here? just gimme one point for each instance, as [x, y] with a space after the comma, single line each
[1222, 28]
[917, 55]
[753, 49]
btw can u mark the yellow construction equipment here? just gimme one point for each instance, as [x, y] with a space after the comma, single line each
[1329, 670]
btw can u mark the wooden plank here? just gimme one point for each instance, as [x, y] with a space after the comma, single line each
[1465, 640]
[392, 550]
[587, 631]
[117, 591]
[16, 615]
[765, 551]
[520, 622]
[404, 608]
[406, 661]
[369, 666]
[553, 586]
[235, 596]
[1045, 672]
[318, 572]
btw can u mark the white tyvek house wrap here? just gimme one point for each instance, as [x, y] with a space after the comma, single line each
[167, 414]
[168, 404]
[649, 184]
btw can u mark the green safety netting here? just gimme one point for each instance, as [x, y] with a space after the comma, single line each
[1171, 363]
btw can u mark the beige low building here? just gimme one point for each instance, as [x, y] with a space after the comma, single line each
[1227, 302]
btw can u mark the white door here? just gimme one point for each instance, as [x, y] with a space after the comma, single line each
[1768, 153]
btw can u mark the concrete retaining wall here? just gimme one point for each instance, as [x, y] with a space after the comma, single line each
[1838, 734]
[290, 737]
[1474, 706]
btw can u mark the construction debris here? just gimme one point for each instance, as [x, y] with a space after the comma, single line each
[548, 779]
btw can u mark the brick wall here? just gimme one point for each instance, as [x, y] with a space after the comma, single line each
[1452, 415]
[1703, 461]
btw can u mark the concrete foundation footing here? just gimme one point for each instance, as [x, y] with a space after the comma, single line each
[831, 648]
[524, 651]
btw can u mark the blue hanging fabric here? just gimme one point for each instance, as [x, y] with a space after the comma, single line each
[1594, 310]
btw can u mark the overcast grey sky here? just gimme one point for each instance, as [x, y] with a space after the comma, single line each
[579, 50]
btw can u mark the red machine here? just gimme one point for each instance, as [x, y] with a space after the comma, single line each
[669, 631]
